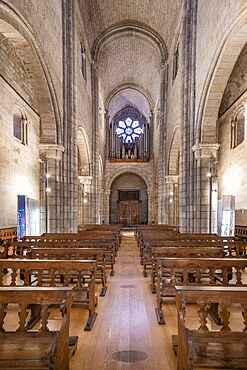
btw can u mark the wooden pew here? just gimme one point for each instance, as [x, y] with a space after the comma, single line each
[200, 344]
[21, 248]
[97, 254]
[79, 274]
[197, 271]
[241, 232]
[180, 252]
[158, 239]
[107, 235]
[42, 348]
[231, 248]
[6, 234]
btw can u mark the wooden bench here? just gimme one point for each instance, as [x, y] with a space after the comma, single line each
[109, 236]
[41, 348]
[172, 240]
[97, 254]
[197, 271]
[241, 232]
[79, 274]
[180, 252]
[6, 234]
[21, 248]
[230, 248]
[200, 344]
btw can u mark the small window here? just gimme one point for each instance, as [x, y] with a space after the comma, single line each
[83, 61]
[19, 126]
[175, 62]
[237, 130]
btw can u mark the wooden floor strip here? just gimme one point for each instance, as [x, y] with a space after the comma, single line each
[125, 334]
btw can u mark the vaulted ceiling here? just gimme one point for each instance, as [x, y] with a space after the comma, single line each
[130, 40]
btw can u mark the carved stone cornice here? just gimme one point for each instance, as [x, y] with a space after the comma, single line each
[205, 150]
[51, 151]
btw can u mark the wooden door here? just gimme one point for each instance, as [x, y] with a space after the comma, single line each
[129, 213]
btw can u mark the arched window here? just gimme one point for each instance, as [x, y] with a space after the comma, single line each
[129, 135]
[175, 62]
[237, 130]
[19, 125]
[83, 60]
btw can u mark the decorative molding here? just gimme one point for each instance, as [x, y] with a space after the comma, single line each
[205, 150]
[51, 151]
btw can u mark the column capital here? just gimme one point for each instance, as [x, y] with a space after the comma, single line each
[205, 150]
[51, 151]
[171, 179]
[85, 181]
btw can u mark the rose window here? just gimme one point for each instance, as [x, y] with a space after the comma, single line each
[129, 130]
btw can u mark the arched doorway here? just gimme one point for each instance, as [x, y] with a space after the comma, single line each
[128, 200]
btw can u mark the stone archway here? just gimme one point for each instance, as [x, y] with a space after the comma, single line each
[137, 173]
[21, 36]
[128, 200]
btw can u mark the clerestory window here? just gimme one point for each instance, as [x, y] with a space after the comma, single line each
[19, 125]
[237, 130]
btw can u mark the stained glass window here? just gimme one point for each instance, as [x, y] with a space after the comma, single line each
[129, 130]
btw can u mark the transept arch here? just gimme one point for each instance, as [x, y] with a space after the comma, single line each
[127, 28]
[130, 87]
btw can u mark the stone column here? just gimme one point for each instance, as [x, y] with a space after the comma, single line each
[162, 149]
[106, 206]
[50, 187]
[95, 142]
[69, 172]
[171, 196]
[85, 186]
[206, 187]
[187, 170]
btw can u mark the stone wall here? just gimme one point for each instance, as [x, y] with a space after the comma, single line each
[19, 164]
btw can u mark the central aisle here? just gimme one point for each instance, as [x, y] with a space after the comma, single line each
[125, 334]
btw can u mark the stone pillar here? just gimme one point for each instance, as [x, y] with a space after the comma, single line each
[69, 171]
[187, 170]
[206, 187]
[84, 201]
[162, 149]
[50, 187]
[95, 142]
[151, 205]
[106, 206]
[171, 197]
